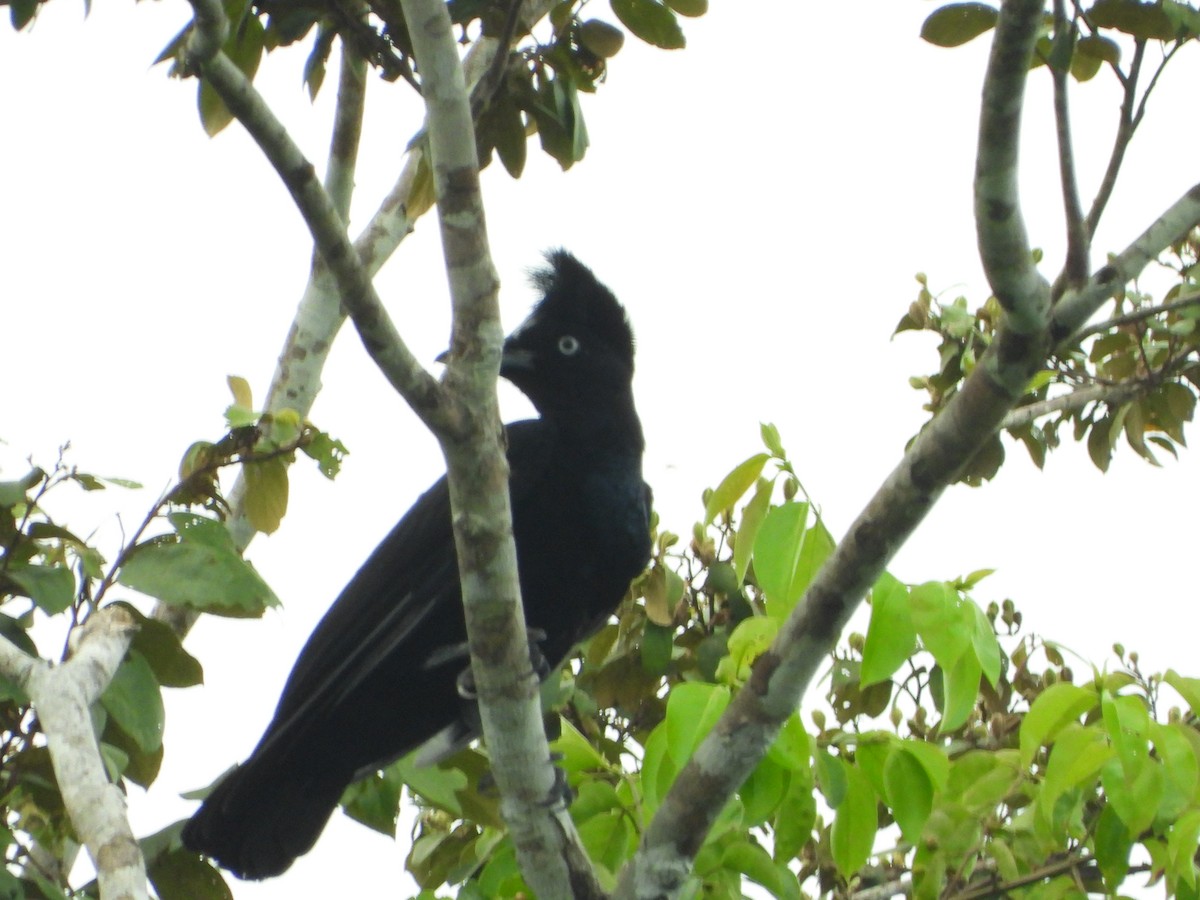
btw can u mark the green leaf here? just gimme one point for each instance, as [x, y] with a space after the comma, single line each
[14, 492]
[183, 875]
[1181, 770]
[772, 441]
[657, 644]
[1078, 755]
[21, 12]
[653, 22]
[266, 493]
[692, 709]
[1142, 20]
[831, 777]
[750, 859]
[327, 452]
[795, 817]
[762, 792]
[1187, 688]
[891, 636]
[753, 514]
[1182, 841]
[160, 645]
[984, 643]
[734, 485]
[938, 617]
[957, 23]
[908, 790]
[777, 552]
[609, 839]
[1111, 845]
[240, 388]
[134, 700]
[198, 575]
[375, 800]
[1055, 707]
[244, 47]
[438, 785]
[750, 638]
[960, 684]
[52, 588]
[855, 825]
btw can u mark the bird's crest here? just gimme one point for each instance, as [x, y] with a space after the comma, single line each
[572, 295]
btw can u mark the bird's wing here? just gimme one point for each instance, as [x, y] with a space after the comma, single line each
[411, 575]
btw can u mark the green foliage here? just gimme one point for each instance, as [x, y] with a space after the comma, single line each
[538, 95]
[1135, 375]
[49, 576]
[953, 751]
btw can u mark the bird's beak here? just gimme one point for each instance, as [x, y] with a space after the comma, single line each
[515, 360]
[442, 357]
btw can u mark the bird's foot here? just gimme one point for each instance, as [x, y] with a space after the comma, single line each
[465, 683]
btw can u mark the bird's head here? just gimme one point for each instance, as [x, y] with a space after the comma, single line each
[576, 347]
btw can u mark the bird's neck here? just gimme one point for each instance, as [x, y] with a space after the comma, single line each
[612, 427]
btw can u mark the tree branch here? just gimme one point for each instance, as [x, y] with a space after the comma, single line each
[1137, 315]
[779, 676]
[548, 849]
[1075, 267]
[1003, 244]
[1110, 394]
[61, 696]
[357, 293]
[1077, 306]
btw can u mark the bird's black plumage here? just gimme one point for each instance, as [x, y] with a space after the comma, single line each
[377, 677]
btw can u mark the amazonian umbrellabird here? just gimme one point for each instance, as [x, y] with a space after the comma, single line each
[379, 676]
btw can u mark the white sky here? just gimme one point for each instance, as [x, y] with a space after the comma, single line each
[760, 203]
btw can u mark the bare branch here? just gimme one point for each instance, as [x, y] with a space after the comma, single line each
[1075, 268]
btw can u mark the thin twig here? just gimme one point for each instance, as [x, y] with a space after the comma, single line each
[1138, 315]
[1076, 267]
[1125, 129]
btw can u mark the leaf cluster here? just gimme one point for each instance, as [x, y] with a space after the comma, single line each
[1135, 375]
[49, 575]
[952, 752]
[537, 92]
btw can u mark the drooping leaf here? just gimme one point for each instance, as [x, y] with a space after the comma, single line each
[52, 588]
[855, 823]
[133, 698]
[957, 23]
[651, 21]
[891, 636]
[1142, 20]
[266, 493]
[908, 791]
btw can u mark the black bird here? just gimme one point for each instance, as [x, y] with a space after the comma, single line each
[378, 677]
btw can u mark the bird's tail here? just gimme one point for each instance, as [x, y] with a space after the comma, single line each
[262, 817]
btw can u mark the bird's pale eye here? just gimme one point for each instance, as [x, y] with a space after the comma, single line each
[568, 345]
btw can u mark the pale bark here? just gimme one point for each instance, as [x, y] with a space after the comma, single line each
[62, 695]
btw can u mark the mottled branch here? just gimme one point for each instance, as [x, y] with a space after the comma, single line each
[62, 696]
[355, 288]
[547, 847]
